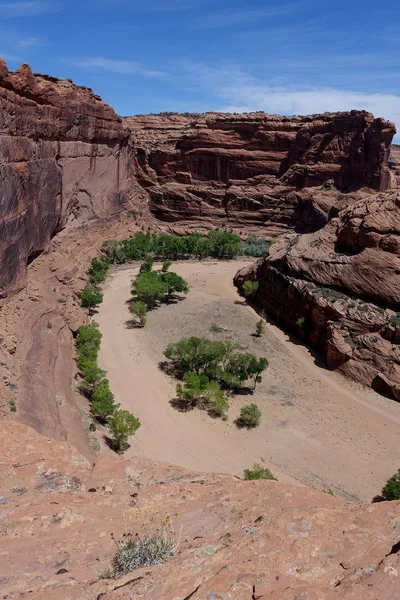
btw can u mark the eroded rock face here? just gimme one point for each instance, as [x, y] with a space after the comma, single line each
[339, 288]
[63, 161]
[250, 169]
[61, 517]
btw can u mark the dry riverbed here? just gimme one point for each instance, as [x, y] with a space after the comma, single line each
[317, 428]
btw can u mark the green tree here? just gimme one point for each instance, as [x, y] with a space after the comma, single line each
[166, 265]
[102, 401]
[88, 343]
[250, 288]
[391, 491]
[258, 472]
[247, 366]
[148, 288]
[91, 373]
[147, 265]
[139, 310]
[250, 415]
[260, 328]
[91, 297]
[97, 271]
[193, 388]
[198, 354]
[122, 425]
[218, 403]
[174, 284]
[203, 247]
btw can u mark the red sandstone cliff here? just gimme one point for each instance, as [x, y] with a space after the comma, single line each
[252, 169]
[63, 160]
[339, 289]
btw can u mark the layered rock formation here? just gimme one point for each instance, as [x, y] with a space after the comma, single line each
[339, 288]
[62, 516]
[394, 161]
[63, 160]
[252, 169]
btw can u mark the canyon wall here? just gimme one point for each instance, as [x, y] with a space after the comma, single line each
[339, 290]
[64, 160]
[258, 170]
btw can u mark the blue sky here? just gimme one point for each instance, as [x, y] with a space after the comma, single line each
[282, 56]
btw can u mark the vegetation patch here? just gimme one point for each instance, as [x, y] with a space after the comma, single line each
[209, 370]
[143, 551]
[96, 387]
[258, 472]
[391, 491]
[250, 416]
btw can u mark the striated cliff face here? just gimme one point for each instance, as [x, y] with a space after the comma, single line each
[253, 169]
[339, 289]
[63, 160]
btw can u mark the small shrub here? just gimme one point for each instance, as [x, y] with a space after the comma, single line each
[256, 246]
[250, 288]
[258, 472]
[216, 329]
[166, 265]
[260, 328]
[97, 271]
[139, 310]
[219, 404]
[147, 265]
[250, 416]
[395, 321]
[12, 405]
[391, 491]
[140, 552]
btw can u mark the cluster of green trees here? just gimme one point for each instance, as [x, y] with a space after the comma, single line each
[121, 423]
[150, 288]
[210, 369]
[91, 295]
[217, 244]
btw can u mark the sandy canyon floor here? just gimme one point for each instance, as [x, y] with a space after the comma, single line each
[317, 427]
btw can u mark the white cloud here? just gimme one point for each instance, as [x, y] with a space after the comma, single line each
[14, 10]
[28, 42]
[239, 92]
[120, 67]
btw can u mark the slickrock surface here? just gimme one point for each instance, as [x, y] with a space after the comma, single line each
[253, 169]
[237, 539]
[343, 283]
[63, 160]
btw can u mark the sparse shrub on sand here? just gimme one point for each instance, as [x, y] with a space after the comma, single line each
[260, 328]
[258, 472]
[122, 425]
[250, 416]
[143, 551]
[139, 310]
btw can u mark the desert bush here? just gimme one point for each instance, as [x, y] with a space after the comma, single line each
[138, 552]
[122, 425]
[260, 328]
[258, 472]
[147, 265]
[250, 288]
[391, 491]
[395, 320]
[139, 310]
[98, 271]
[250, 416]
[256, 246]
[91, 373]
[166, 265]
[91, 296]
[218, 404]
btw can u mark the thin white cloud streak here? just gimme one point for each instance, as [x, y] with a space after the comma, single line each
[230, 18]
[14, 10]
[120, 67]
